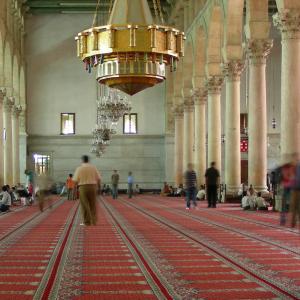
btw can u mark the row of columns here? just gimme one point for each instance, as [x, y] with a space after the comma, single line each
[194, 123]
[9, 133]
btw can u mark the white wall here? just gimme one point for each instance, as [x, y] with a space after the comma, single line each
[57, 82]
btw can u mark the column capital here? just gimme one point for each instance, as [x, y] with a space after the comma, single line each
[233, 69]
[288, 22]
[178, 110]
[258, 50]
[200, 96]
[8, 104]
[188, 104]
[214, 84]
[16, 110]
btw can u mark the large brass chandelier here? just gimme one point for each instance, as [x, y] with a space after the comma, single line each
[131, 53]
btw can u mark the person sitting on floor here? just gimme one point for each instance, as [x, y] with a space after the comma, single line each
[251, 191]
[179, 191]
[201, 193]
[165, 190]
[261, 203]
[5, 202]
[137, 189]
[248, 202]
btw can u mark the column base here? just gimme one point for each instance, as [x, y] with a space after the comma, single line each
[262, 189]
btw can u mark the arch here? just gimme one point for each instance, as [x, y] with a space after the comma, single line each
[215, 41]
[257, 19]
[16, 78]
[287, 4]
[8, 72]
[178, 83]
[233, 49]
[188, 66]
[200, 57]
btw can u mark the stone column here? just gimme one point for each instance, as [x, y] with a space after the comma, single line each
[2, 96]
[289, 24]
[7, 124]
[178, 153]
[232, 71]
[15, 143]
[188, 132]
[214, 85]
[200, 98]
[258, 50]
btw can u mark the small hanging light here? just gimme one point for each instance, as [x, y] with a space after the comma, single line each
[274, 123]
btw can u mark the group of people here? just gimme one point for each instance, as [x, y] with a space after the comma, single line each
[170, 191]
[252, 200]
[212, 178]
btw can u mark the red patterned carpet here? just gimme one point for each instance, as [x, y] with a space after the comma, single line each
[149, 247]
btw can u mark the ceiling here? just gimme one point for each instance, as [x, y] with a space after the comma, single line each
[78, 6]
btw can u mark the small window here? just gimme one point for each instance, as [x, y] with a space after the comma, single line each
[130, 124]
[41, 163]
[67, 121]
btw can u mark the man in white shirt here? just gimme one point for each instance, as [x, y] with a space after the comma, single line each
[88, 180]
[201, 193]
[5, 202]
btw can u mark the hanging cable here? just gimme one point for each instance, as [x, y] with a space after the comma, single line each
[110, 7]
[96, 13]
[160, 11]
[155, 9]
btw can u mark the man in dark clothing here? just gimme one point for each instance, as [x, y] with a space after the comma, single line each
[190, 185]
[212, 177]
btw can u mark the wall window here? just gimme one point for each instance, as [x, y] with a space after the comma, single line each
[130, 124]
[67, 123]
[41, 163]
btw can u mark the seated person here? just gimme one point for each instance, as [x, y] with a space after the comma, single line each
[261, 203]
[5, 202]
[248, 202]
[165, 190]
[179, 191]
[251, 191]
[201, 193]
[137, 189]
[172, 192]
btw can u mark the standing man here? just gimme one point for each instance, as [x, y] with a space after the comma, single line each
[190, 185]
[114, 184]
[70, 184]
[88, 180]
[212, 178]
[130, 184]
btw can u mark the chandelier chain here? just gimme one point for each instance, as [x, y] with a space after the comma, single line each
[160, 11]
[110, 7]
[155, 9]
[96, 13]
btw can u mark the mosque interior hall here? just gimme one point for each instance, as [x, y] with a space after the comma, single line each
[149, 149]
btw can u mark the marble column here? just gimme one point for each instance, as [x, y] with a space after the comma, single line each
[7, 124]
[15, 143]
[2, 96]
[214, 85]
[232, 71]
[178, 153]
[188, 132]
[257, 50]
[288, 22]
[200, 99]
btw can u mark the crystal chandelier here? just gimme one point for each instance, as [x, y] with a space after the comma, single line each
[111, 106]
[114, 106]
[131, 53]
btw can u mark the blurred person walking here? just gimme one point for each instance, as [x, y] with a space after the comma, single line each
[190, 178]
[88, 180]
[114, 184]
[43, 182]
[130, 184]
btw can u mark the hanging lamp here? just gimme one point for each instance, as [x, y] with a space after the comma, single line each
[131, 53]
